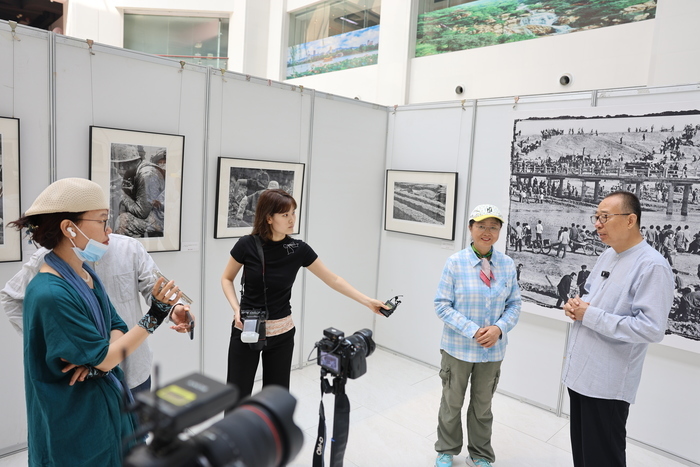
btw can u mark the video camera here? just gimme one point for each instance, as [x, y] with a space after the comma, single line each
[345, 356]
[260, 432]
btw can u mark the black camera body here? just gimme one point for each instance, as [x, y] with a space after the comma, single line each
[258, 432]
[342, 356]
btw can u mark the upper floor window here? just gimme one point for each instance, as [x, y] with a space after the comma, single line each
[333, 35]
[198, 40]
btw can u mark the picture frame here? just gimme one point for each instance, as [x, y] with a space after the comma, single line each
[10, 210]
[421, 203]
[239, 183]
[141, 174]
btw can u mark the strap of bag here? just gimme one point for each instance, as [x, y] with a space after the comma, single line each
[261, 255]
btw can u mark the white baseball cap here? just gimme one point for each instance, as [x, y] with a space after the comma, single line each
[484, 211]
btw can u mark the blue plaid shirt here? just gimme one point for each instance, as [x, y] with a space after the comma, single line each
[466, 304]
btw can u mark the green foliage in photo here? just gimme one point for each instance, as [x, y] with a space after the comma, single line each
[492, 22]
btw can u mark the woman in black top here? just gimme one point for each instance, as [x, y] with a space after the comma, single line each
[275, 216]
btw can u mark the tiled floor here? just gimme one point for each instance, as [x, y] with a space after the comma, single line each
[393, 417]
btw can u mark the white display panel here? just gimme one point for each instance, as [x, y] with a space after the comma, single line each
[344, 213]
[257, 120]
[431, 138]
[24, 94]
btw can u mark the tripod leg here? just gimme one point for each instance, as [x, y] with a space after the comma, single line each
[341, 426]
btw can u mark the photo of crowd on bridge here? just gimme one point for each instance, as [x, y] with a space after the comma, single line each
[561, 168]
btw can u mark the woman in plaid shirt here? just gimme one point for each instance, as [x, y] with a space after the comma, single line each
[478, 299]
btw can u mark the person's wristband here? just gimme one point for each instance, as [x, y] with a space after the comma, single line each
[155, 316]
[95, 373]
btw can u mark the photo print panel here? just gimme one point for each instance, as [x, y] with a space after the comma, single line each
[10, 239]
[240, 183]
[561, 168]
[141, 173]
[421, 203]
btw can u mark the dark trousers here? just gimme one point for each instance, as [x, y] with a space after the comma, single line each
[598, 431]
[243, 361]
[145, 386]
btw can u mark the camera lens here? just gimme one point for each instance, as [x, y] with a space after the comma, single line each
[260, 432]
[362, 339]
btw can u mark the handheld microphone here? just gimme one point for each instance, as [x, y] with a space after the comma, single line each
[605, 274]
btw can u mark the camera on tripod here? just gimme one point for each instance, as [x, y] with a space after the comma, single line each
[259, 432]
[342, 356]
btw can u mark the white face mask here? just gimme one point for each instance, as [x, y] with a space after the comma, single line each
[93, 251]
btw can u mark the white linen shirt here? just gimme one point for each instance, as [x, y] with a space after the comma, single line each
[465, 304]
[628, 310]
[126, 270]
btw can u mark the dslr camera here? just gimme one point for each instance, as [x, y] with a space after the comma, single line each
[258, 432]
[345, 357]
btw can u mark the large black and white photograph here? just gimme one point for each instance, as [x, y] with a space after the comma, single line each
[240, 182]
[10, 239]
[561, 168]
[142, 174]
[421, 203]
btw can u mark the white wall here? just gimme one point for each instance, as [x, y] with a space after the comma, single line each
[345, 191]
[24, 94]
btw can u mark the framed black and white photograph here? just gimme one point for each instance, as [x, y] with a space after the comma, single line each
[421, 203]
[562, 167]
[240, 182]
[141, 173]
[10, 239]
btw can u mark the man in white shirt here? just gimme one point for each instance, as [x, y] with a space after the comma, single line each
[563, 242]
[628, 297]
[126, 270]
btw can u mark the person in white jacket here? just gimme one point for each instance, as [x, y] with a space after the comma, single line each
[126, 270]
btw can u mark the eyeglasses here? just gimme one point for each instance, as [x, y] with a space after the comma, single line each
[97, 220]
[603, 218]
[483, 228]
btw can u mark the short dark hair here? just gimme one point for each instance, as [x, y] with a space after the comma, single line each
[45, 229]
[271, 202]
[630, 203]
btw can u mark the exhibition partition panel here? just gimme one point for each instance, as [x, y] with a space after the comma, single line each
[254, 119]
[345, 205]
[422, 138]
[24, 94]
[110, 87]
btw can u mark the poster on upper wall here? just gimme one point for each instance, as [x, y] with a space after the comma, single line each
[141, 174]
[562, 167]
[340, 52]
[421, 203]
[240, 183]
[10, 239]
[483, 23]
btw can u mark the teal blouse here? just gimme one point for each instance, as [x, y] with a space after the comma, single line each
[83, 424]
